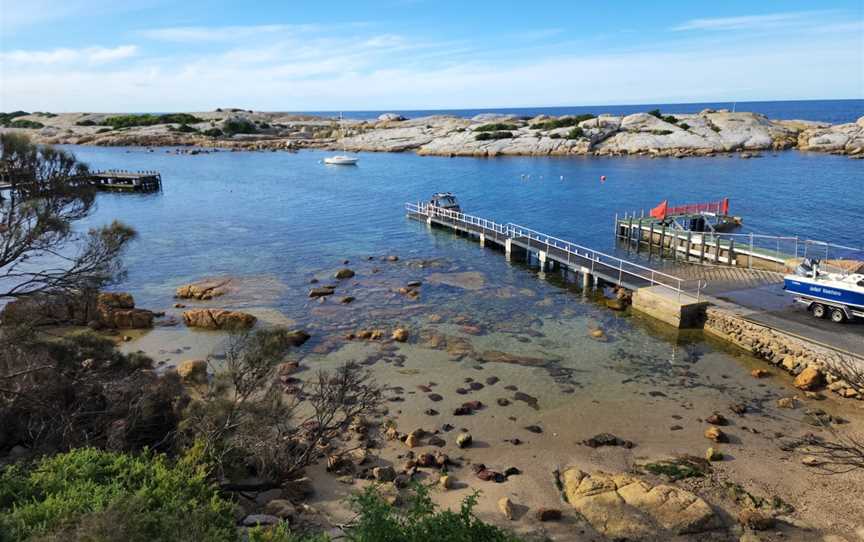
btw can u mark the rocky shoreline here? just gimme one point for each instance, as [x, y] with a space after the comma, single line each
[708, 133]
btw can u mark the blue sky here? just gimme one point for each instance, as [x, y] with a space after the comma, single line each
[157, 55]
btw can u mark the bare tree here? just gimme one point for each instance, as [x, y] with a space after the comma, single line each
[248, 417]
[40, 250]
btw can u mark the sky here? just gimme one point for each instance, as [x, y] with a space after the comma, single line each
[278, 55]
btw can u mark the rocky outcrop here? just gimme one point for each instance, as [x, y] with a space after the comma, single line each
[218, 319]
[706, 133]
[117, 311]
[192, 371]
[838, 139]
[813, 366]
[623, 507]
[104, 310]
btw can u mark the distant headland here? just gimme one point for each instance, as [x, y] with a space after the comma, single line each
[651, 133]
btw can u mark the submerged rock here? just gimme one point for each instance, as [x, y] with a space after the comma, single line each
[218, 319]
[204, 289]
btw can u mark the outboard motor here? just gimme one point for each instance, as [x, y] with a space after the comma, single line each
[807, 268]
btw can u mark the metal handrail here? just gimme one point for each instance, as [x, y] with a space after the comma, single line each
[513, 231]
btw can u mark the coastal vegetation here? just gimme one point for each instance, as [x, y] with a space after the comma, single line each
[562, 122]
[666, 118]
[130, 121]
[491, 136]
[238, 125]
[496, 127]
[7, 118]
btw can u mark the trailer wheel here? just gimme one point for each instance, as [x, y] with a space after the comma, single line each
[818, 310]
[838, 316]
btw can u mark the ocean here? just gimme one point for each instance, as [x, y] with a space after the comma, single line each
[833, 111]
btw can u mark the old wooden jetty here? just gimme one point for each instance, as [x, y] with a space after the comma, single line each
[112, 180]
[679, 302]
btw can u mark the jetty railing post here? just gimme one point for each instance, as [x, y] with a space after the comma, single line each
[750, 258]
[616, 226]
[689, 243]
[731, 251]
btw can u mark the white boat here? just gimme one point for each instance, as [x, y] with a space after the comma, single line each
[341, 160]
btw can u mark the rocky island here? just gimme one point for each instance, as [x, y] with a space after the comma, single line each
[653, 133]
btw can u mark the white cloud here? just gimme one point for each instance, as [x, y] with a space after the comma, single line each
[307, 69]
[754, 22]
[88, 55]
[212, 34]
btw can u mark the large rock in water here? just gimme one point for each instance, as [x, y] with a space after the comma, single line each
[218, 319]
[623, 507]
[204, 289]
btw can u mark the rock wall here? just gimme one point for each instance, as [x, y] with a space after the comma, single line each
[815, 366]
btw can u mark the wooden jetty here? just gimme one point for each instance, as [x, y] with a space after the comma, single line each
[671, 299]
[113, 180]
[127, 181]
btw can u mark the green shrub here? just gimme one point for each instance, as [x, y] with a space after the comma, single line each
[490, 136]
[684, 126]
[239, 126]
[6, 118]
[85, 122]
[667, 118]
[186, 129]
[128, 121]
[21, 123]
[576, 133]
[88, 494]
[563, 122]
[555, 136]
[213, 132]
[495, 127]
[419, 521]
[661, 132]
[103, 130]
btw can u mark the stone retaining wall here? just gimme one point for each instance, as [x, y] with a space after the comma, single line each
[786, 352]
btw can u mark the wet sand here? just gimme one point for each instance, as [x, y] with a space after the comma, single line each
[642, 382]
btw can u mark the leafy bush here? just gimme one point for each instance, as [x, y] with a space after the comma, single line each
[213, 132]
[684, 126]
[667, 118]
[186, 129]
[576, 133]
[239, 126]
[420, 521]
[489, 136]
[495, 127]
[88, 494]
[555, 136]
[563, 122]
[6, 118]
[103, 130]
[85, 122]
[21, 123]
[128, 121]
[661, 132]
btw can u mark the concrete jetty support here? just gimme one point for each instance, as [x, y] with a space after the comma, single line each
[682, 311]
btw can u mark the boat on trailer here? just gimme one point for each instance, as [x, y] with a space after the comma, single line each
[839, 296]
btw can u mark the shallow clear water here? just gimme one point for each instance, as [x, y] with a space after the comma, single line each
[286, 214]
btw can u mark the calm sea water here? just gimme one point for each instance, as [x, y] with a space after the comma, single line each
[834, 111]
[288, 215]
